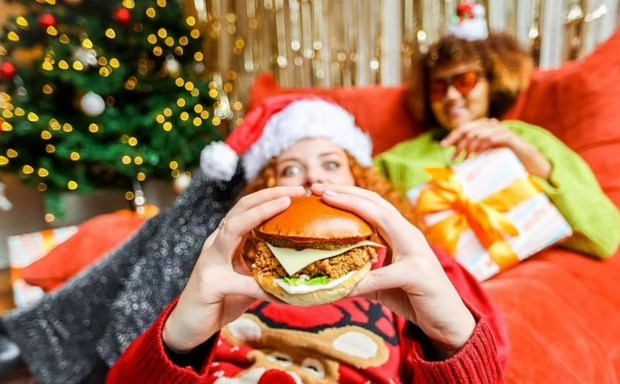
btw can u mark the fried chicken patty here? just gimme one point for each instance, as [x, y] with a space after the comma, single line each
[333, 267]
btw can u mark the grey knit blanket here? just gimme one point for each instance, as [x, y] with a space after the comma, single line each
[99, 313]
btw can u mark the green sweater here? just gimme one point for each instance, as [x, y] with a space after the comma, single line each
[573, 188]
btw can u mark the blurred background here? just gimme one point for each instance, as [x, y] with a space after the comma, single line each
[106, 104]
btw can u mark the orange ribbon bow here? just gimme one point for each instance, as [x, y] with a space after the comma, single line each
[485, 218]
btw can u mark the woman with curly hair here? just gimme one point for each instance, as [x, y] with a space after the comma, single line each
[427, 320]
[460, 91]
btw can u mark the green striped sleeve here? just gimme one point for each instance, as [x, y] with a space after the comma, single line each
[574, 190]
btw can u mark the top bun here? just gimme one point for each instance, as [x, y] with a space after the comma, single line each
[309, 219]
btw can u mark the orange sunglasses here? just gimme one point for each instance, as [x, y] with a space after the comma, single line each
[463, 82]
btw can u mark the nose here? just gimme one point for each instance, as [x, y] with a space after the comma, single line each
[314, 175]
[452, 93]
[276, 376]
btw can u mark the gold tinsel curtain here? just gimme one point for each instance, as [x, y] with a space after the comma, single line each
[329, 43]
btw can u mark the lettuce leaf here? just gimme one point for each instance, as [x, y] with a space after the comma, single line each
[295, 281]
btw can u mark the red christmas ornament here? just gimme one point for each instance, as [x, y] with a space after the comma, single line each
[122, 16]
[7, 71]
[47, 20]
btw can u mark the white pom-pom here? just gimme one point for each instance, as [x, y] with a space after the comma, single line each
[479, 11]
[218, 161]
[473, 29]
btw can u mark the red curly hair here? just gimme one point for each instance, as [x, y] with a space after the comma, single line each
[506, 65]
[364, 177]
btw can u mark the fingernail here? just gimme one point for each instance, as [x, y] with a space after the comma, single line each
[283, 200]
[330, 193]
[318, 186]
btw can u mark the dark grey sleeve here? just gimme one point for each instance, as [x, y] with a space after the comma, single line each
[100, 312]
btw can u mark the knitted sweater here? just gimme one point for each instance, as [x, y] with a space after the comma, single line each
[572, 187]
[350, 341]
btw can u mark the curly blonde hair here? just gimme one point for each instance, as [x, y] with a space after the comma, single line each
[364, 177]
[506, 65]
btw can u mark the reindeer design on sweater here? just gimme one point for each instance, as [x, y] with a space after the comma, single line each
[350, 341]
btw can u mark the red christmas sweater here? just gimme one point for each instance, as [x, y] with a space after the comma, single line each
[350, 341]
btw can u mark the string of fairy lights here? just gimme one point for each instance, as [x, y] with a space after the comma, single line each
[85, 58]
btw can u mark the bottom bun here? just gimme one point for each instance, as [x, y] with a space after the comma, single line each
[322, 296]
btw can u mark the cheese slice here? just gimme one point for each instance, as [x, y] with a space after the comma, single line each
[294, 261]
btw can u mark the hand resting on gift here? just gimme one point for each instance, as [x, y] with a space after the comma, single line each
[479, 135]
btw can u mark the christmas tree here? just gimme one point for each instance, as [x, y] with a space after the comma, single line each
[112, 94]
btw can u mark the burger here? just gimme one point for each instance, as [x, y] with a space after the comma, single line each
[312, 253]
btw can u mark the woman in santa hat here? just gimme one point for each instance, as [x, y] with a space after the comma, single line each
[223, 329]
[97, 316]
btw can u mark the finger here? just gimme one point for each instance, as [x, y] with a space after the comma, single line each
[240, 266]
[320, 189]
[233, 284]
[391, 224]
[380, 279]
[455, 135]
[474, 146]
[461, 148]
[234, 228]
[249, 287]
[211, 237]
[264, 195]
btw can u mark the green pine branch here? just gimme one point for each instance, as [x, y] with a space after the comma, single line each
[110, 97]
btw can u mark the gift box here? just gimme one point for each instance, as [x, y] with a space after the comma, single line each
[25, 251]
[488, 213]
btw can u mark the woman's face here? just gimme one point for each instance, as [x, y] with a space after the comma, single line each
[459, 94]
[312, 161]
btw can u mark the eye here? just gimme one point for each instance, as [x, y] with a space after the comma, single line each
[313, 367]
[290, 171]
[331, 165]
[281, 358]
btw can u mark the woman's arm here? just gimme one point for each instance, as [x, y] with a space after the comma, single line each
[574, 190]
[476, 362]
[147, 360]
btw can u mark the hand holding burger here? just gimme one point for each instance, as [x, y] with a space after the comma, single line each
[220, 287]
[414, 285]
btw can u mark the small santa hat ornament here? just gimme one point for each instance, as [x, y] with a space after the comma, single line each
[470, 23]
[275, 125]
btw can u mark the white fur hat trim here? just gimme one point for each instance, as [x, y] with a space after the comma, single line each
[307, 119]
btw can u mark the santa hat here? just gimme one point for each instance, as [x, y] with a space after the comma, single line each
[470, 23]
[275, 125]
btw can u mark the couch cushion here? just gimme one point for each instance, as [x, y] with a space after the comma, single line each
[578, 104]
[380, 111]
[562, 311]
[95, 238]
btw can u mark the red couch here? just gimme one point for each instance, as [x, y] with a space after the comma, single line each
[562, 308]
